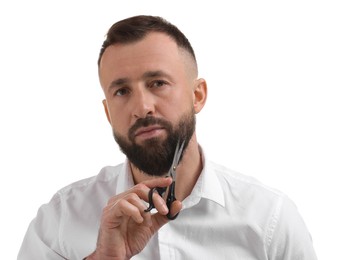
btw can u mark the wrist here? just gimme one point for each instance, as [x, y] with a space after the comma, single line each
[95, 256]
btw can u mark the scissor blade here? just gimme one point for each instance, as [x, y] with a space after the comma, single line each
[177, 154]
[176, 158]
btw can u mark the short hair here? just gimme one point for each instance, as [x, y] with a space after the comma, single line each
[137, 27]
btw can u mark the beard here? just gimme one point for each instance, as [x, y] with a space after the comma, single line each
[154, 156]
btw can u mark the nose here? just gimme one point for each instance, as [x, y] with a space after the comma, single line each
[143, 104]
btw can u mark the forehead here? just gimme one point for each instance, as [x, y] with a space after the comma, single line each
[156, 51]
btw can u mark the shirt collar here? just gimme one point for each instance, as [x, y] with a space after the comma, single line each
[207, 186]
[125, 179]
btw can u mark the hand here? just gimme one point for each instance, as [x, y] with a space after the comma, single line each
[125, 227]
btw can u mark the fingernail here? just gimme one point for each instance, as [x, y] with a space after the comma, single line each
[164, 209]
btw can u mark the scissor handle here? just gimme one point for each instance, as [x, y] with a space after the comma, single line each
[160, 191]
[169, 200]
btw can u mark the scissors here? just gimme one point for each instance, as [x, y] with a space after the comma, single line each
[171, 189]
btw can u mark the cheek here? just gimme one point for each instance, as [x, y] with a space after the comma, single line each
[179, 108]
[187, 101]
[118, 119]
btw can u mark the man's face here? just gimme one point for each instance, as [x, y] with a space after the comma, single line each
[148, 87]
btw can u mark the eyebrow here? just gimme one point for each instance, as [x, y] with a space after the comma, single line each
[154, 74]
[118, 82]
[149, 74]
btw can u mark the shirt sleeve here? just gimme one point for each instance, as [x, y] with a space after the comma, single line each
[41, 240]
[290, 237]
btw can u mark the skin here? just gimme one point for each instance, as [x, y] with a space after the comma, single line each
[151, 77]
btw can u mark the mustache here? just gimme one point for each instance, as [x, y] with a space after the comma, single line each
[147, 121]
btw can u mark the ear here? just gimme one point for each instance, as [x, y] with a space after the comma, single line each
[106, 109]
[200, 95]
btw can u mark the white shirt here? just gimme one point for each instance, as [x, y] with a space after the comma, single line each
[227, 216]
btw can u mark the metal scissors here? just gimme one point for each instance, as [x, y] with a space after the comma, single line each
[171, 189]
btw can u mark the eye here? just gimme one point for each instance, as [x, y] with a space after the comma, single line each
[121, 92]
[157, 84]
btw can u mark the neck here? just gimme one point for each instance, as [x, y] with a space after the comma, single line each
[188, 170]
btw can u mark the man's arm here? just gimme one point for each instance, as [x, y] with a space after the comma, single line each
[41, 238]
[290, 238]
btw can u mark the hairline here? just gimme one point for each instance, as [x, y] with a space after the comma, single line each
[188, 58]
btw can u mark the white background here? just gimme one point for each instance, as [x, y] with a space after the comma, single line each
[271, 69]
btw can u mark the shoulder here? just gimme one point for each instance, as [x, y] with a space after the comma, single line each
[107, 176]
[247, 197]
[285, 233]
[92, 189]
[239, 183]
[84, 197]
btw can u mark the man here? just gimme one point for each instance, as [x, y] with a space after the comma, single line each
[148, 72]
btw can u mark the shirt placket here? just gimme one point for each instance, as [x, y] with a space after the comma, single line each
[165, 243]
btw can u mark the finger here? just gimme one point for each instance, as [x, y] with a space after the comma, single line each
[130, 210]
[176, 206]
[159, 203]
[143, 188]
[131, 206]
[143, 191]
[158, 182]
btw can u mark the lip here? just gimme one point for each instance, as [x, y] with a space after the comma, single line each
[149, 131]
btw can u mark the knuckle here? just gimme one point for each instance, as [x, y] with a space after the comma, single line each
[139, 187]
[113, 201]
[132, 197]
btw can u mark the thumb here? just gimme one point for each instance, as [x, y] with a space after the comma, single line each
[159, 220]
